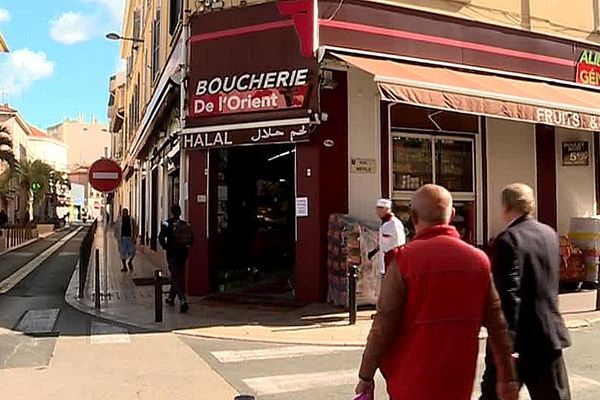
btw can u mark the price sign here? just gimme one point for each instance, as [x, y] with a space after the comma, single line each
[575, 153]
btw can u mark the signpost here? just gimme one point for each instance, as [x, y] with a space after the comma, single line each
[105, 176]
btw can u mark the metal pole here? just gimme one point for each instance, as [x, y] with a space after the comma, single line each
[81, 269]
[105, 246]
[158, 310]
[97, 276]
[352, 307]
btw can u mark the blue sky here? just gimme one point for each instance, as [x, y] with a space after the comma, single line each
[60, 62]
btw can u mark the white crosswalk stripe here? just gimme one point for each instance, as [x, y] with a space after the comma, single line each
[277, 353]
[298, 382]
[310, 380]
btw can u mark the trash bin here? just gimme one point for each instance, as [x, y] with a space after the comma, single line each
[585, 235]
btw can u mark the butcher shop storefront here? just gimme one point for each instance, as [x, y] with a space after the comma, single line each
[252, 118]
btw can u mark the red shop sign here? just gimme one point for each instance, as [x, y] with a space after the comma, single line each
[588, 68]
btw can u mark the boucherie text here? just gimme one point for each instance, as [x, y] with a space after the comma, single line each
[242, 93]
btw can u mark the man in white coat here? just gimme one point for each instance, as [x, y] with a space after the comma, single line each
[391, 234]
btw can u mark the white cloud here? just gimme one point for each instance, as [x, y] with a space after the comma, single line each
[4, 15]
[72, 28]
[21, 68]
[116, 9]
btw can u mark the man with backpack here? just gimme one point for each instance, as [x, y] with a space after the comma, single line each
[176, 237]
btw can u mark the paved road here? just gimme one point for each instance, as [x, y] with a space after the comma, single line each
[274, 372]
[74, 355]
[42, 294]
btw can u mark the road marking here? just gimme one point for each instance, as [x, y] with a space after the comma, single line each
[38, 321]
[108, 334]
[277, 352]
[22, 254]
[68, 254]
[13, 280]
[299, 382]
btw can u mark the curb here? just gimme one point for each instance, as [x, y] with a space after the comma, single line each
[27, 243]
[582, 323]
[32, 241]
[72, 300]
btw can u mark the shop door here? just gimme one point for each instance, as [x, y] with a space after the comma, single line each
[256, 219]
[154, 211]
[143, 213]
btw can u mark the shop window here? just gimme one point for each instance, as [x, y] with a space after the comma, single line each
[423, 159]
[454, 165]
[419, 159]
[412, 162]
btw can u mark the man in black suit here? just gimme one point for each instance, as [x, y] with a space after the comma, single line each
[525, 265]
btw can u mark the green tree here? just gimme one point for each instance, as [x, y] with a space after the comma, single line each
[8, 168]
[6, 153]
[31, 172]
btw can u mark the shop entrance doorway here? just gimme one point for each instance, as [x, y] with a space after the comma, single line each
[256, 220]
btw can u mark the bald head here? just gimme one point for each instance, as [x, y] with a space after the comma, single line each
[432, 205]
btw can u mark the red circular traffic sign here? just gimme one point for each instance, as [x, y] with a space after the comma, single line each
[105, 175]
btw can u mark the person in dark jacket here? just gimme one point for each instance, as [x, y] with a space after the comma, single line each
[525, 266]
[177, 253]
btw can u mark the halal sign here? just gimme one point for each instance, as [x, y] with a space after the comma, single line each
[588, 68]
[244, 93]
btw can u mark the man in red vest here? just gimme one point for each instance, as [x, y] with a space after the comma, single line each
[436, 295]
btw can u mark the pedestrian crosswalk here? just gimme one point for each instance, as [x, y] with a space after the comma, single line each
[277, 372]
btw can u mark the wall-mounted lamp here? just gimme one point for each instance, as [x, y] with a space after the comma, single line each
[116, 36]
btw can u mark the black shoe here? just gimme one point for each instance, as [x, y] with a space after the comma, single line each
[184, 307]
[124, 269]
[170, 302]
[130, 266]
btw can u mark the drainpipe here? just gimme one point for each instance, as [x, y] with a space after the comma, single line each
[183, 168]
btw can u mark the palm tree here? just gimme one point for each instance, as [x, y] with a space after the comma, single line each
[33, 172]
[6, 153]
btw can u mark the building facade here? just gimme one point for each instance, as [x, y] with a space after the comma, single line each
[50, 150]
[86, 140]
[289, 111]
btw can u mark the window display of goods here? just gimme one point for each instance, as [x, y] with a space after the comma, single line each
[349, 242]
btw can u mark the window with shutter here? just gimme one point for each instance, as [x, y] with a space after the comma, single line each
[175, 15]
[156, 46]
[137, 21]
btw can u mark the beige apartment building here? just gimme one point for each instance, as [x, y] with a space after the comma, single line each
[264, 118]
[86, 140]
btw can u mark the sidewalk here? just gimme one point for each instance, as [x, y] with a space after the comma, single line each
[318, 324]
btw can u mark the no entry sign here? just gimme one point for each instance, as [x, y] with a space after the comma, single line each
[105, 175]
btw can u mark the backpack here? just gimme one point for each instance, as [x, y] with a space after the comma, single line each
[181, 234]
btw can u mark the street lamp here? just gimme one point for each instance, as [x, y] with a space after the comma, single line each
[116, 36]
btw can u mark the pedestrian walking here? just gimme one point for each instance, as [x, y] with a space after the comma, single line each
[176, 237]
[126, 232]
[525, 265]
[437, 293]
[391, 234]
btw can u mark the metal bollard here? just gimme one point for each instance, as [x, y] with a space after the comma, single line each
[97, 282]
[158, 307]
[352, 307]
[598, 295]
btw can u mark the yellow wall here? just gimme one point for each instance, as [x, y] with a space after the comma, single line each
[543, 16]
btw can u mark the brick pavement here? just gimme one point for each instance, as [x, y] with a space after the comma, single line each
[311, 324]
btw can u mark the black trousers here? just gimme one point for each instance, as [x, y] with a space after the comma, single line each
[177, 272]
[545, 376]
